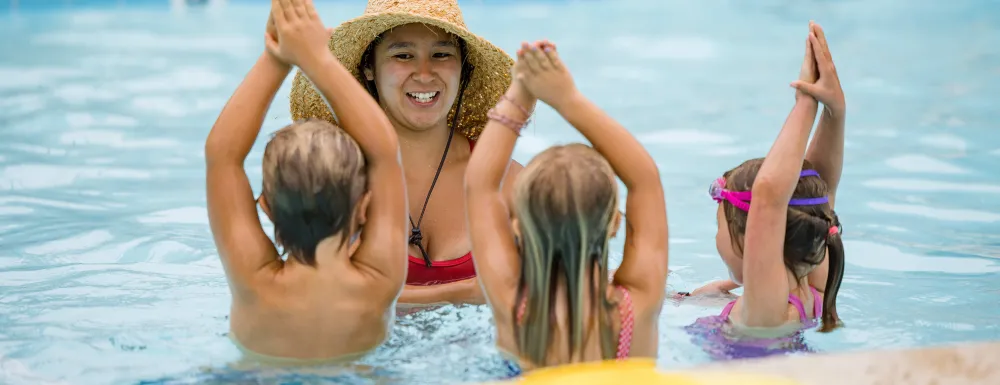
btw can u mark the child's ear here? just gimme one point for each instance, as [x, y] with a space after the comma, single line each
[369, 74]
[514, 228]
[615, 224]
[263, 206]
[361, 210]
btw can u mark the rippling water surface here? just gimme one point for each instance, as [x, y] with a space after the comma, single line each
[108, 273]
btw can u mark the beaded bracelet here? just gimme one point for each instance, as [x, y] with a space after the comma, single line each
[510, 123]
[527, 114]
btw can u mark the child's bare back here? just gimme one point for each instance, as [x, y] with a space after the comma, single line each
[332, 312]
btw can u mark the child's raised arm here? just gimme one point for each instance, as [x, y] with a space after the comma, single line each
[498, 264]
[232, 212]
[644, 264]
[765, 287]
[303, 42]
[826, 151]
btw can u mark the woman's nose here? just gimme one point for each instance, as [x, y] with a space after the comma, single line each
[424, 71]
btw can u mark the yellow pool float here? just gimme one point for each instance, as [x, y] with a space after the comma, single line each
[639, 372]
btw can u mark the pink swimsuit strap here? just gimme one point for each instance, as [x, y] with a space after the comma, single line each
[795, 301]
[817, 305]
[625, 311]
[627, 314]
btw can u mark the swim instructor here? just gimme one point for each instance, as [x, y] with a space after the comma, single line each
[436, 81]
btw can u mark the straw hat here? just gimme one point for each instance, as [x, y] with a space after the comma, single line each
[489, 80]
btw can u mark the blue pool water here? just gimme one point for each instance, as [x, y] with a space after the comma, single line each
[108, 273]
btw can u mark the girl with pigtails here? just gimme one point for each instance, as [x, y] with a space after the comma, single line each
[778, 233]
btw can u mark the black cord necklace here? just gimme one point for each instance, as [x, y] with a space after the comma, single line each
[416, 237]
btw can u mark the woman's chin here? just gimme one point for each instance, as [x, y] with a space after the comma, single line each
[425, 121]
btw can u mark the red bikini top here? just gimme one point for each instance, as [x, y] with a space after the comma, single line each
[439, 272]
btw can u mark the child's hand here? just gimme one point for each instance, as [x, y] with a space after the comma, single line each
[299, 34]
[827, 89]
[517, 90]
[271, 30]
[808, 73]
[271, 33]
[543, 74]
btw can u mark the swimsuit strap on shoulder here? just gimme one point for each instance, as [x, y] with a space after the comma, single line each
[628, 322]
[728, 309]
[627, 315]
[797, 303]
[817, 303]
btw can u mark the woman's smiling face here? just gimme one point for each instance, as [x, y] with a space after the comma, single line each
[417, 74]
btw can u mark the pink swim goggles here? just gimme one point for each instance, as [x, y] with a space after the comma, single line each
[741, 199]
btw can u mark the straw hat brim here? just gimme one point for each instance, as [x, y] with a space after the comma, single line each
[489, 80]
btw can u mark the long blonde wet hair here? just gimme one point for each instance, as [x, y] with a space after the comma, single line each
[565, 202]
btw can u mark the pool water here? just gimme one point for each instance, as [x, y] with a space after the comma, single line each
[108, 272]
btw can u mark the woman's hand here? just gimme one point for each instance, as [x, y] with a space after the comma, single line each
[543, 74]
[295, 33]
[826, 89]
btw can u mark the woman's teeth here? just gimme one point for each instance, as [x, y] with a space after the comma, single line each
[422, 97]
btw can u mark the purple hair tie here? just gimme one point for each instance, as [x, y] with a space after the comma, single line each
[741, 199]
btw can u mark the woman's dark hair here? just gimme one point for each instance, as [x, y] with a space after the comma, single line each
[808, 238]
